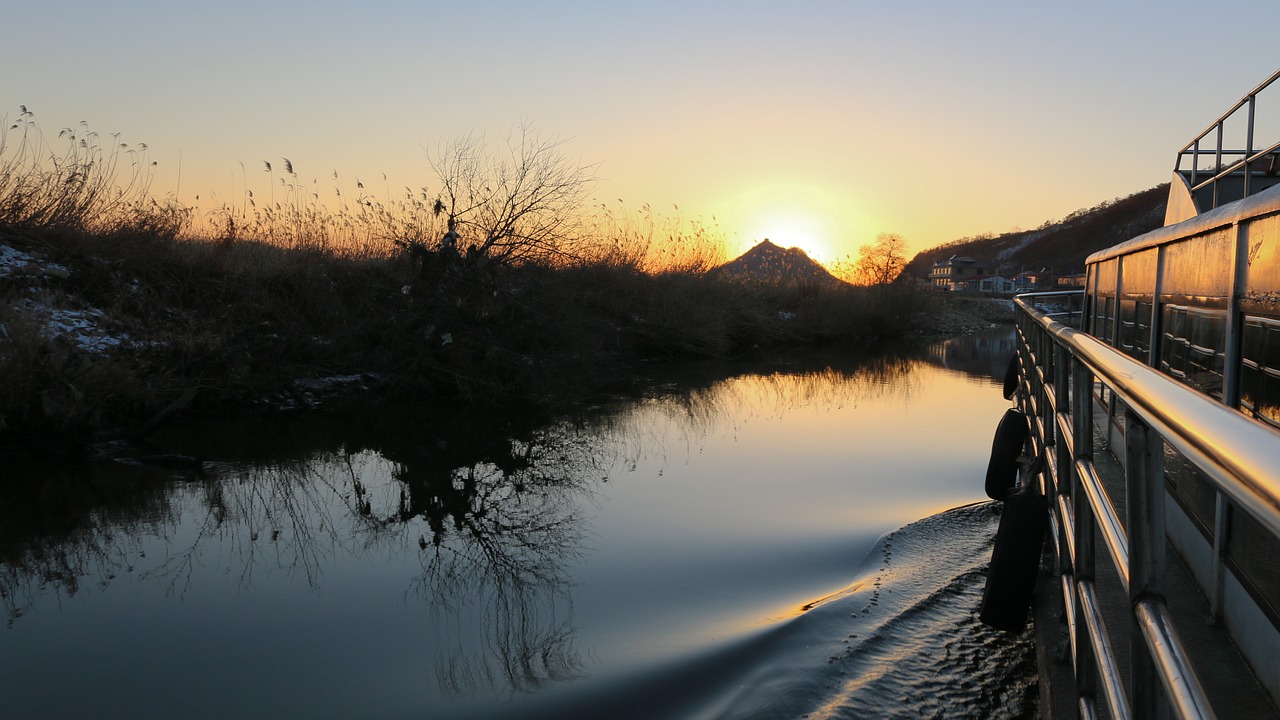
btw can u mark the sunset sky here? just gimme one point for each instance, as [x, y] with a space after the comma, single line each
[816, 124]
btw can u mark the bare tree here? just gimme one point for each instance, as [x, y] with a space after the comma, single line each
[518, 206]
[881, 262]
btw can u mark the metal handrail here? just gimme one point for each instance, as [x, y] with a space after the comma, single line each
[1247, 156]
[1238, 455]
[1113, 687]
[1178, 678]
[1241, 456]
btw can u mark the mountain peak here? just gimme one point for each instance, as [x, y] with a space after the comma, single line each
[767, 261]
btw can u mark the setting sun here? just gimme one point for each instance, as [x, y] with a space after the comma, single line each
[796, 213]
[793, 230]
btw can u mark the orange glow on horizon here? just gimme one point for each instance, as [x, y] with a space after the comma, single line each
[823, 221]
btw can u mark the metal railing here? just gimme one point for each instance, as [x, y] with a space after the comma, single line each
[1062, 369]
[1228, 161]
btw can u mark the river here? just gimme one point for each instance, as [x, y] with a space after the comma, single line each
[800, 539]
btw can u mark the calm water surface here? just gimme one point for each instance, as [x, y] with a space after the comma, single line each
[731, 549]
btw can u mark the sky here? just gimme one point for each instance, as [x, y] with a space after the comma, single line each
[816, 124]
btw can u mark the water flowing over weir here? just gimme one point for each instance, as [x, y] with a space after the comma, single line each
[687, 555]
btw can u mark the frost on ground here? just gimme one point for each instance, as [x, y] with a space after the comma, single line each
[84, 328]
[15, 262]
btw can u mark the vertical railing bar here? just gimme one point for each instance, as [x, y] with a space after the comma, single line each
[1235, 318]
[1117, 340]
[1042, 452]
[1248, 144]
[1050, 348]
[1195, 163]
[1230, 398]
[1042, 399]
[1113, 335]
[1144, 488]
[1157, 310]
[1062, 403]
[1221, 534]
[1082, 557]
[1217, 165]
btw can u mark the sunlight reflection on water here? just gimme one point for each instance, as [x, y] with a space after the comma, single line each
[416, 568]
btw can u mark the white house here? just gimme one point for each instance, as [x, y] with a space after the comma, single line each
[995, 285]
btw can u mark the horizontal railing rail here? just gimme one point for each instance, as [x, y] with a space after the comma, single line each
[1228, 161]
[1063, 372]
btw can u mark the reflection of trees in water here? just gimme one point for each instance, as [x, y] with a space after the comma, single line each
[830, 387]
[494, 520]
[506, 562]
[60, 528]
[495, 517]
[984, 354]
[499, 536]
[277, 518]
[729, 402]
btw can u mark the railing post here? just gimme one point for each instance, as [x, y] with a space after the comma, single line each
[1157, 312]
[1086, 664]
[1062, 400]
[1195, 166]
[1049, 432]
[1083, 570]
[1248, 144]
[1221, 534]
[1218, 168]
[1231, 398]
[1144, 485]
[1027, 336]
[1235, 316]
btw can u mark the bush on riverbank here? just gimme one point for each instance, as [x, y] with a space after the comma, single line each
[116, 312]
[125, 325]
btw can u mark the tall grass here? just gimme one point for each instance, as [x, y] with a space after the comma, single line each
[77, 183]
[235, 302]
[649, 242]
[303, 216]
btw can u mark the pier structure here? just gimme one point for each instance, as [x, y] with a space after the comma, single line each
[1153, 400]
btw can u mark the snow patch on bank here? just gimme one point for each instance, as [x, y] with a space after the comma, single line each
[15, 262]
[83, 328]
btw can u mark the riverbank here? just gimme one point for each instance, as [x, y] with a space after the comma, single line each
[112, 336]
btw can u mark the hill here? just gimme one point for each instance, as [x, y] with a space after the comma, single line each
[1061, 247]
[767, 261]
